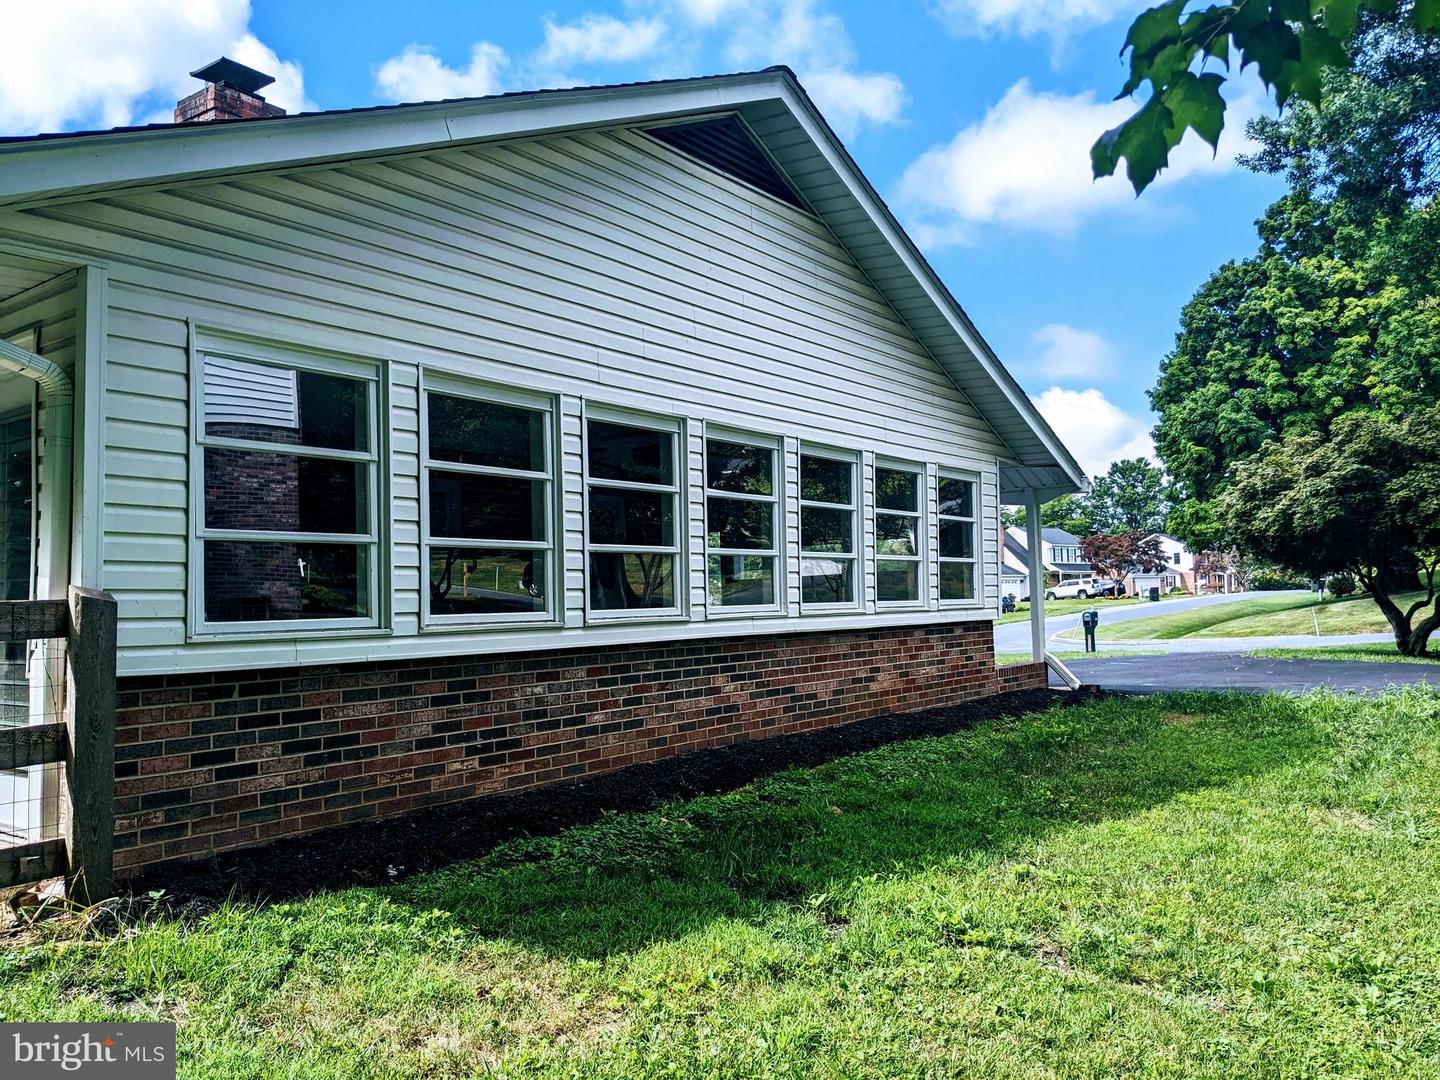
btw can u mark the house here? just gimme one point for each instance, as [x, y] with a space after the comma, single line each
[1014, 567]
[1059, 551]
[445, 449]
[1184, 570]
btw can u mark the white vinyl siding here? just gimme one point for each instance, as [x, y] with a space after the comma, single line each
[593, 268]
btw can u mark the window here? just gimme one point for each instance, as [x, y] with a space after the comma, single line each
[827, 530]
[1177, 558]
[289, 493]
[898, 529]
[632, 517]
[956, 513]
[489, 539]
[742, 536]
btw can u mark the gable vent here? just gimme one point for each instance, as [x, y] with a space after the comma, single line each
[726, 144]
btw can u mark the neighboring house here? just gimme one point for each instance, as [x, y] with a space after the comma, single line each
[1014, 567]
[1180, 572]
[1059, 551]
[443, 449]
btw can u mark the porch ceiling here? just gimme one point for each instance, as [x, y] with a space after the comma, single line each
[19, 273]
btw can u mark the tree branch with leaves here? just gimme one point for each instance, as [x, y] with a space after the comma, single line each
[1292, 43]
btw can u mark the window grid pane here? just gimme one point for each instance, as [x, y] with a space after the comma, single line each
[287, 531]
[958, 557]
[632, 513]
[488, 530]
[742, 526]
[828, 530]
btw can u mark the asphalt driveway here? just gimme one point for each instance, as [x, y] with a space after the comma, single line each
[1232, 671]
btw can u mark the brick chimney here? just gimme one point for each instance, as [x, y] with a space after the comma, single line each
[229, 94]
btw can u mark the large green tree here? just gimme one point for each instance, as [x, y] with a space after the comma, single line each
[1132, 496]
[1330, 316]
[1358, 499]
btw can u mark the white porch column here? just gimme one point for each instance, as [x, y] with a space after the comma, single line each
[1035, 555]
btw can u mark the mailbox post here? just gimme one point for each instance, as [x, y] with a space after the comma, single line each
[1089, 619]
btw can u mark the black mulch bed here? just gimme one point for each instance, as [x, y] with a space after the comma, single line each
[380, 852]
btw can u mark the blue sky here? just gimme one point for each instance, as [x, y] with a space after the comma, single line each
[972, 117]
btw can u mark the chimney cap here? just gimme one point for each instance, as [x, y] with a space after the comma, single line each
[227, 72]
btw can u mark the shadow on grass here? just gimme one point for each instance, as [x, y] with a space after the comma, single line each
[633, 879]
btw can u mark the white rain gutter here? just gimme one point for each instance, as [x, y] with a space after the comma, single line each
[53, 557]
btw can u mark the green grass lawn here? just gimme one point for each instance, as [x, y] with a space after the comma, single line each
[1187, 885]
[1066, 607]
[1260, 615]
[1383, 653]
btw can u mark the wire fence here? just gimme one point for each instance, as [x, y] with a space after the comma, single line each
[32, 696]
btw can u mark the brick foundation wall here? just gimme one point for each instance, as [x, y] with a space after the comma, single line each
[215, 761]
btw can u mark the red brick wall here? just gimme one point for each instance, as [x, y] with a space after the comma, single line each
[215, 761]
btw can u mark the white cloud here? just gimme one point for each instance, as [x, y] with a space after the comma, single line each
[602, 38]
[849, 101]
[1067, 353]
[1095, 429]
[1030, 18]
[82, 63]
[797, 33]
[288, 89]
[673, 36]
[417, 74]
[1026, 164]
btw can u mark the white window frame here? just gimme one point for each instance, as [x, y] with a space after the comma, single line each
[917, 470]
[675, 427]
[367, 371]
[776, 551]
[854, 459]
[474, 390]
[973, 479]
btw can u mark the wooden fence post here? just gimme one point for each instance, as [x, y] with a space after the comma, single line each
[90, 766]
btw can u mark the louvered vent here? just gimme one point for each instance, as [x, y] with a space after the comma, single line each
[726, 144]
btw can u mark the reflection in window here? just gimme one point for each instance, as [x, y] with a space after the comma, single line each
[488, 485]
[827, 530]
[741, 538]
[898, 523]
[288, 529]
[631, 497]
[957, 538]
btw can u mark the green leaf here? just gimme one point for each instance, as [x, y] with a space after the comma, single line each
[1154, 27]
[1143, 141]
[1269, 47]
[1195, 102]
[1341, 15]
[1426, 14]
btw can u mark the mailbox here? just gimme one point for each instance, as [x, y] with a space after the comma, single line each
[1089, 620]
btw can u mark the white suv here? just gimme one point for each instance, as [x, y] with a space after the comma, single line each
[1080, 589]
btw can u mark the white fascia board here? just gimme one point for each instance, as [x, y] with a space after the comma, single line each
[885, 223]
[45, 170]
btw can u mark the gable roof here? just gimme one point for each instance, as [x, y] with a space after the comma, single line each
[1059, 536]
[42, 169]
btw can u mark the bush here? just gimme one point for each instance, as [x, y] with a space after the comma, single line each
[1274, 579]
[1342, 584]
